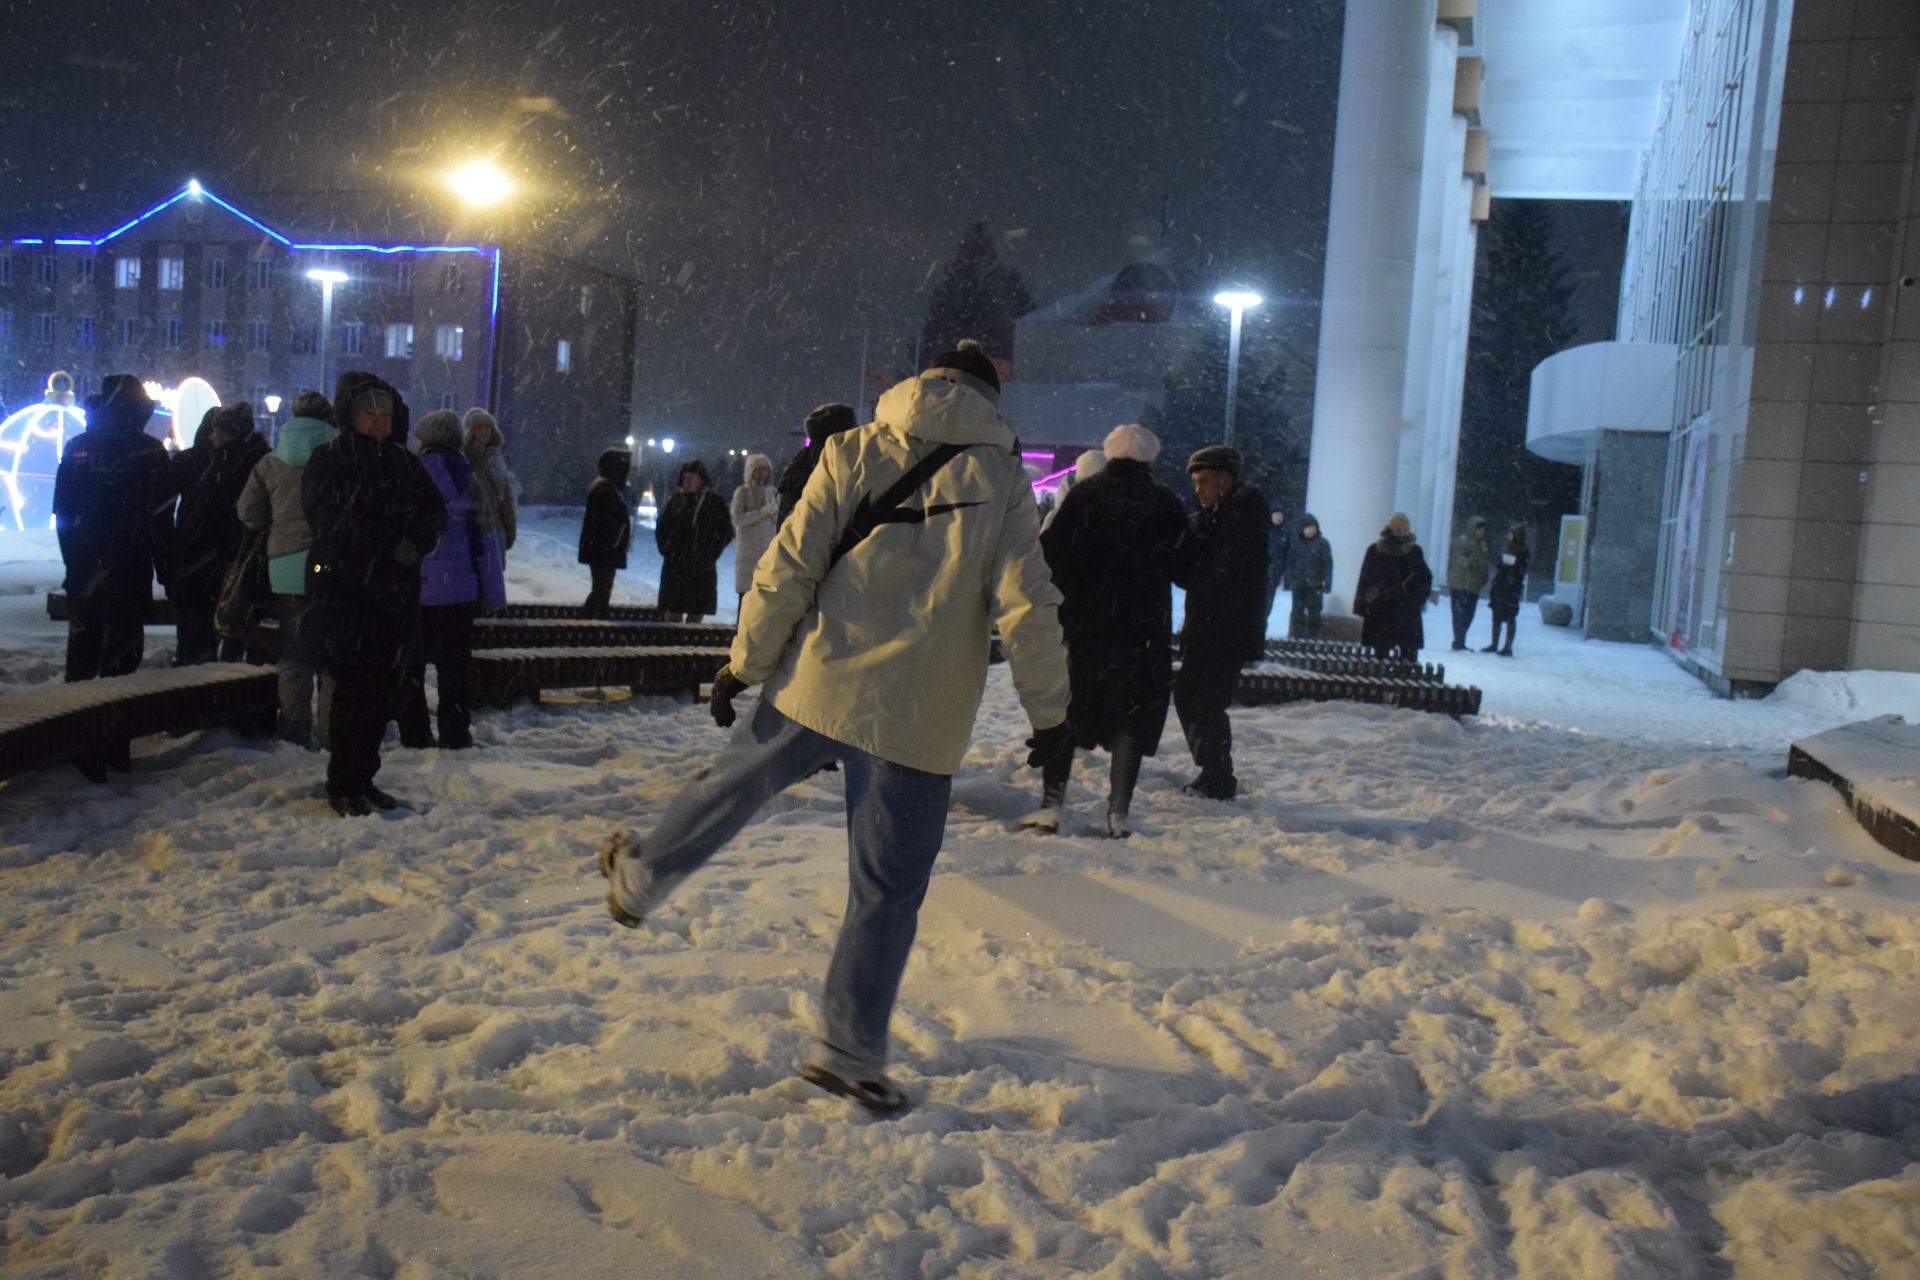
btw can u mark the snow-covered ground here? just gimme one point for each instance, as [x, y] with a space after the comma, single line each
[1583, 987]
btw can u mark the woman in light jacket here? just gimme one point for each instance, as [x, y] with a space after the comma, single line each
[271, 502]
[756, 517]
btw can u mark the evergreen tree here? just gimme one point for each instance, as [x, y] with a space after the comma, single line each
[978, 297]
[1192, 414]
[1521, 315]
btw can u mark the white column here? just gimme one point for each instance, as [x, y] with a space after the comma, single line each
[1426, 328]
[1366, 301]
[1451, 382]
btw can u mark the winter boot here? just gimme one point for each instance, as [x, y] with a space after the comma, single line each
[1118, 826]
[620, 863]
[881, 1096]
[380, 799]
[349, 804]
[1045, 819]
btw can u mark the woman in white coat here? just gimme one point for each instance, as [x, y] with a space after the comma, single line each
[756, 517]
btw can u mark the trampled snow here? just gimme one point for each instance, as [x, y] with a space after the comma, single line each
[1585, 986]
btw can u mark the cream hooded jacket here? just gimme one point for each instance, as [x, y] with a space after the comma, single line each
[887, 650]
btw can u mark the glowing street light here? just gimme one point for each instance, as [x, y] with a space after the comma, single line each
[666, 445]
[480, 183]
[327, 278]
[1236, 302]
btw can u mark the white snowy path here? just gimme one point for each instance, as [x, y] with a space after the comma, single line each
[1585, 987]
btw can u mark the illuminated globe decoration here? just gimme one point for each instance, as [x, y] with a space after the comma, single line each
[187, 404]
[31, 441]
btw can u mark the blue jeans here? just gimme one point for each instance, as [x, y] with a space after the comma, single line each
[896, 819]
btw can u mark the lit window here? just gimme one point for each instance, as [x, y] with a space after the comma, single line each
[173, 273]
[352, 337]
[126, 273]
[83, 331]
[563, 356]
[216, 333]
[257, 335]
[263, 275]
[216, 273]
[400, 342]
[43, 270]
[173, 335]
[448, 340]
[83, 270]
[43, 327]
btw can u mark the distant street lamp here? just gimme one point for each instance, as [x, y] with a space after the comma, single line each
[480, 183]
[272, 404]
[1236, 303]
[327, 280]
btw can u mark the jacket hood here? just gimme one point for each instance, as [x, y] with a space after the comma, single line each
[299, 438]
[614, 465]
[482, 430]
[1476, 522]
[353, 384]
[1308, 518]
[935, 407]
[757, 460]
[439, 430]
[235, 419]
[1088, 465]
[694, 466]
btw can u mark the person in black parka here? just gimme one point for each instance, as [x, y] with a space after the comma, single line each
[825, 422]
[374, 513]
[207, 532]
[1309, 578]
[1117, 546]
[1508, 589]
[693, 530]
[1394, 583]
[113, 511]
[605, 528]
[1226, 623]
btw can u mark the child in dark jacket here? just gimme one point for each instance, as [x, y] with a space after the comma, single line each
[605, 529]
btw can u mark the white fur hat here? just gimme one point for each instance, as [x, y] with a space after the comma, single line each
[1088, 464]
[1131, 440]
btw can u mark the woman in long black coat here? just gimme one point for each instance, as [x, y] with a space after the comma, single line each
[1509, 586]
[691, 533]
[1394, 583]
[207, 530]
[1117, 545]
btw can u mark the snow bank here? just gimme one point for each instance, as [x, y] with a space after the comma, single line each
[1584, 987]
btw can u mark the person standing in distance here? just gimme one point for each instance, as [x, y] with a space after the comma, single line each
[1226, 620]
[1466, 575]
[868, 627]
[1309, 575]
[605, 529]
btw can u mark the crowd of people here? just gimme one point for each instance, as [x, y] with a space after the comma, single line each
[379, 557]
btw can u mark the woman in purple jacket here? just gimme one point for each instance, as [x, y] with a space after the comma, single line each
[458, 578]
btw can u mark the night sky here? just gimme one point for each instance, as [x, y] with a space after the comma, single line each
[780, 177]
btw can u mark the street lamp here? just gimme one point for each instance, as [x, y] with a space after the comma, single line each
[480, 183]
[327, 279]
[1235, 302]
[272, 404]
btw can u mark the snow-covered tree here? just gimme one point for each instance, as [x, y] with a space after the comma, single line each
[977, 296]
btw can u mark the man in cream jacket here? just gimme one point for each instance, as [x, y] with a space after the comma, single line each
[868, 625]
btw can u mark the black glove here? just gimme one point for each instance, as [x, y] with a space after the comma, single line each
[1047, 745]
[726, 687]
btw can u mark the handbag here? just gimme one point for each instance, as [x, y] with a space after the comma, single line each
[246, 592]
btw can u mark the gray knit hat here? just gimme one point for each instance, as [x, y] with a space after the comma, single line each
[1216, 457]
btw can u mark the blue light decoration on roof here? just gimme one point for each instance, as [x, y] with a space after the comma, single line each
[193, 190]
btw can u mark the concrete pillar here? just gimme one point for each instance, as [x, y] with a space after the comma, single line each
[1366, 302]
[1450, 381]
[1439, 417]
[1427, 323]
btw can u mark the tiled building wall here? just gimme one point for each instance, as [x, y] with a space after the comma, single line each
[1841, 204]
[1886, 610]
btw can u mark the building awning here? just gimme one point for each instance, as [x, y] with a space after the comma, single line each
[1602, 386]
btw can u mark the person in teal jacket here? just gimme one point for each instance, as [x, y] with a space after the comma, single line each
[271, 503]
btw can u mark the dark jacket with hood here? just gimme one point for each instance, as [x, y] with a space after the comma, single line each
[1117, 545]
[1393, 588]
[1467, 559]
[374, 514]
[693, 530]
[823, 424]
[1309, 560]
[113, 501]
[207, 530]
[1510, 576]
[605, 529]
[1226, 608]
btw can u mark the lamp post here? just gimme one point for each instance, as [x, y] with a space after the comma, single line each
[272, 404]
[1236, 303]
[327, 279]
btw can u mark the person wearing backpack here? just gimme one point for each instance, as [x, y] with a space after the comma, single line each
[867, 628]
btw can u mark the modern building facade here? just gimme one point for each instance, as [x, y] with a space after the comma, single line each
[197, 286]
[1751, 438]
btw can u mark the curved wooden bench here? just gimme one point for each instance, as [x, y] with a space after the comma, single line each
[92, 724]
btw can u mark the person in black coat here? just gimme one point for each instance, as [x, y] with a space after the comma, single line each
[113, 511]
[1226, 624]
[207, 532]
[1117, 545]
[1395, 581]
[694, 528]
[1309, 577]
[374, 513]
[605, 528]
[1509, 589]
[824, 422]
